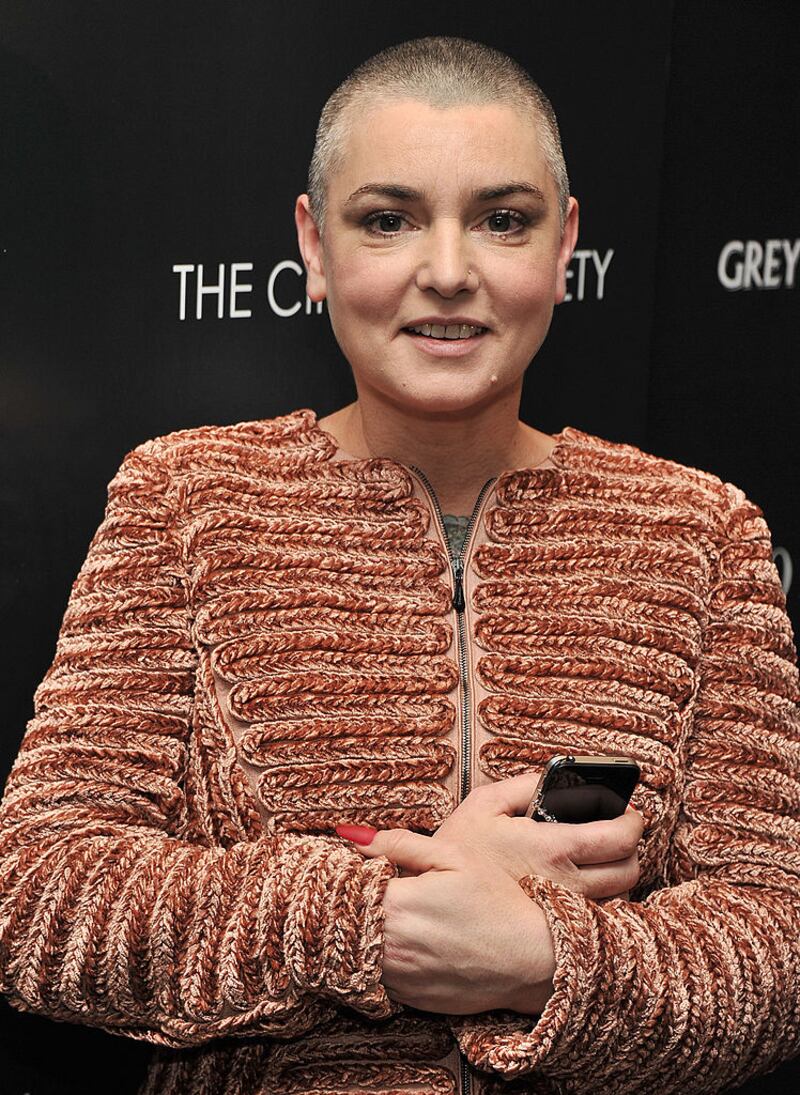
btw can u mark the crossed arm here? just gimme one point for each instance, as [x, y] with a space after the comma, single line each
[461, 936]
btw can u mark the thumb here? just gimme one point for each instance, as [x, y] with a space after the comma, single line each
[411, 850]
[513, 795]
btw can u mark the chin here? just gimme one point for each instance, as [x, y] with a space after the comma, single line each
[453, 403]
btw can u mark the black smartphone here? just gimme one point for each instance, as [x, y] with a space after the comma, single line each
[579, 789]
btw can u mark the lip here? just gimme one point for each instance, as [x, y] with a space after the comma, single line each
[446, 347]
[446, 321]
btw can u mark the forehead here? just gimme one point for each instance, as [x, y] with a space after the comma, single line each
[439, 148]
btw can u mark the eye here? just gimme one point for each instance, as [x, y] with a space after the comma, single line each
[384, 223]
[504, 222]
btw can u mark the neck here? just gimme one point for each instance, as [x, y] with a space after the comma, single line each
[457, 453]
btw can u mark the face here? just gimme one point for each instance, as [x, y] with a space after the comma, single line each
[441, 217]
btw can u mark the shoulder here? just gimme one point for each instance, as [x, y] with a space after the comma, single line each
[649, 479]
[589, 452]
[164, 466]
[234, 445]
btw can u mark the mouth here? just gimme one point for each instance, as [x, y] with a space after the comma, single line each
[452, 332]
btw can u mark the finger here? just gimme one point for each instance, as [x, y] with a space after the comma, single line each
[605, 841]
[506, 796]
[611, 880]
[415, 851]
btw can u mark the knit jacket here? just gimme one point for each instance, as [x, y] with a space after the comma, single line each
[262, 643]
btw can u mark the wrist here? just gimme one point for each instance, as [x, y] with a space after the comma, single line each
[539, 966]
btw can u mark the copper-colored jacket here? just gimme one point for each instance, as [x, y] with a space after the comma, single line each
[262, 643]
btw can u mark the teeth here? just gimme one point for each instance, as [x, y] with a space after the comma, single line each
[452, 330]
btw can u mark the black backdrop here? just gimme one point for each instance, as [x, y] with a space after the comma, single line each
[141, 138]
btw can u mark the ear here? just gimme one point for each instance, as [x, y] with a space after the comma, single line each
[310, 243]
[569, 238]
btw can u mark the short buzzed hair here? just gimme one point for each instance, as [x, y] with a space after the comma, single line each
[442, 72]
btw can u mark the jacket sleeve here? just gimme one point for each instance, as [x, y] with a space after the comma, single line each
[697, 987]
[108, 916]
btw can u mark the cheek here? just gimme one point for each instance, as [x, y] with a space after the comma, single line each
[529, 291]
[364, 290]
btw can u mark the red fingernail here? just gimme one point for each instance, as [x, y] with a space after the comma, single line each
[359, 834]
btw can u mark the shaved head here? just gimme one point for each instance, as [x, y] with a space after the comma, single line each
[442, 72]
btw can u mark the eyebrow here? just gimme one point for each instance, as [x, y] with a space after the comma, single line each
[408, 193]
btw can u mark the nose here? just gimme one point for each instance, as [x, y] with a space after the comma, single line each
[444, 263]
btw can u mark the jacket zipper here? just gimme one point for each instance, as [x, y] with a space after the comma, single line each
[459, 606]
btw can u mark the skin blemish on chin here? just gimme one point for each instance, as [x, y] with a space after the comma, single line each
[493, 378]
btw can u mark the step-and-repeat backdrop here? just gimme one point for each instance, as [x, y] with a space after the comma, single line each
[151, 278]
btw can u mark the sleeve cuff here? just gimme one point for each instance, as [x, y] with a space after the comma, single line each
[334, 936]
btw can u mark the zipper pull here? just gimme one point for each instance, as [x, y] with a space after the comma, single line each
[459, 604]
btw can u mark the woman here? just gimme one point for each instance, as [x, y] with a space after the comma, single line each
[268, 643]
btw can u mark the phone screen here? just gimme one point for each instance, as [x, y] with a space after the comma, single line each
[578, 792]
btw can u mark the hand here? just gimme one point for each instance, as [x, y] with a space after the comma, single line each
[460, 936]
[597, 859]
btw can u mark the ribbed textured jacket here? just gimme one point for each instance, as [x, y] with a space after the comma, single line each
[262, 643]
